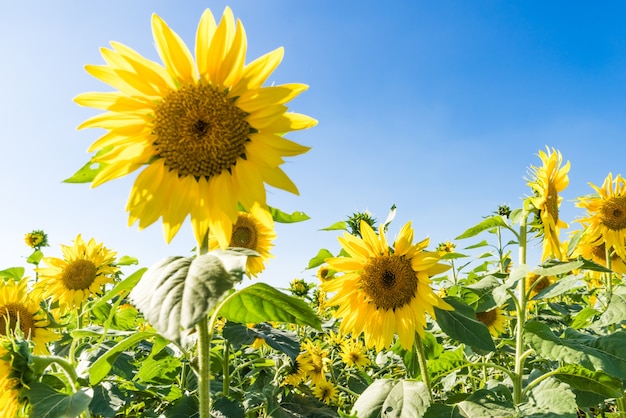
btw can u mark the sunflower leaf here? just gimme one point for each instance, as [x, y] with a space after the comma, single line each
[286, 218]
[405, 398]
[262, 303]
[15, 273]
[48, 403]
[494, 402]
[461, 325]
[337, 226]
[558, 288]
[489, 223]
[280, 340]
[320, 258]
[178, 292]
[553, 268]
[577, 377]
[550, 398]
[615, 312]
[89, 171]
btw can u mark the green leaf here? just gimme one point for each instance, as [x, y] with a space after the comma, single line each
[120, 289]
[100, 368]
[178, 292]
[320, 258]
[594, 353]
[583, 318]
[160, 368]
[262, 303]
[550, 399]
[554, 268]
[577, 377]
[453, 256]
[15, 273]
[35, 257]
[393, 398]
[500, 293]
[489, 223]
[107, 400]
[615, 313]
[482, 243]
[48, 403]
[127, 261]
[186, 406]
[482, 403]
[286, 218]
[88, 172]
[559, 287]
[337, 226]
[483, 289]
[461, 325]
[283, 341]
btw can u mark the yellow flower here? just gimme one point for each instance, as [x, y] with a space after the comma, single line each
[19, 308]
[255, 231]
[353, 354]
[446, 247]
[298, 371]
[36, 239]
[382, 292]
[205, 131]
[495, 320]
[606, 220]
[85, 268]
[535, 283]
[326, 392]
[9, 385]
[547, 182]
[596, 251]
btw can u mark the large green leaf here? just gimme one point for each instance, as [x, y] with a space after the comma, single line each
[177, 292]
[550, 399]
[616, 311]
[461, 324]
[482, 403]
[559, 287]
[393, 398]
[320, 258]
[48, 403]
[577, 377]
[594, 353]
[283, 341]
[263, 303]
[485, 224]
[107, 400]
[554, 267]
[501, 293]
[15, 273]
[120, 289]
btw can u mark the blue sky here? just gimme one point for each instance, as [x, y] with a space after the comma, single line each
[437, 107]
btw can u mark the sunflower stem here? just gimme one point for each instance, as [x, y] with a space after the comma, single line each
[421, 359]
[226, 368]
[608, 280]
[521, 316]
[204, 352]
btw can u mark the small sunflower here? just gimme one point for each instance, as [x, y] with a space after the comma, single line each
[85, 268]
[20, 309]
[353, 354]
[495, 320]
[384, 291]
[36, 239]
[547, 182]
[446, 247]
[606, 214]
[326, 392]
[317, 360]
[299, 369]
[298, 287]
[255, 231]
[205, 132]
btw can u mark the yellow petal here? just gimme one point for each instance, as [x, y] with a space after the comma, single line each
[204, 34]
[255, 73]
[173, 52]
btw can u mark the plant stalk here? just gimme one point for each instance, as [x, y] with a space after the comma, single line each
[204, 352]
[521, 316]
[421, 359]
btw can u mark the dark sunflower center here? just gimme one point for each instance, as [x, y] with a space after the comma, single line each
[389, 281]
[613, 213]
[244, 233]
[199, 131]
[599, 252]
[13, 313]
[79, 275]
[488, 318]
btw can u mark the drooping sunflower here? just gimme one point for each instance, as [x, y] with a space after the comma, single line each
[547, 182]
[384, 291]
[85, 268]
[207, 131]
[495, 320]
[606, 215]
[253, 230]
[21, 309]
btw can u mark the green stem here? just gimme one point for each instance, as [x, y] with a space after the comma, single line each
[521, 316]
[204, 352]
[421, 359]
[226, 368]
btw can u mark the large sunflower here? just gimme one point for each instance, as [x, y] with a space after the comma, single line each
[596, 251]
[207, 131]
[255, 231]
[606, 215]
[20, 308]
[383, 291]
[547, 182]
[85, 268]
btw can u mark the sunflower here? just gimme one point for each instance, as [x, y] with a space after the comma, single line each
[85, 268]
[298, 371]
[207, 131]
[547, 182]
[255, 231]
[36, 239]
[326, 392]
[384, 291]
[596, 251]
[9, 385]
[317, 361]
[353, 354]
[495, 320]
[20, 309]
[606, 220]
[535, 283]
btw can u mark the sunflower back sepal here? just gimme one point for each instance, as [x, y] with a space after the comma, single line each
[178, 292]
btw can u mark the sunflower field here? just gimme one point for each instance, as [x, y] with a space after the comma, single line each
[385, 324]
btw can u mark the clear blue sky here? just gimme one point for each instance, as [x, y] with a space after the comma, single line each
[438, 107]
